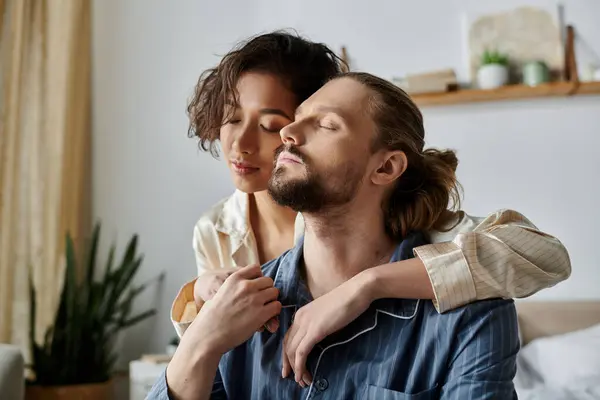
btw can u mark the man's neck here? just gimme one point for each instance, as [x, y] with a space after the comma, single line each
[338, 244]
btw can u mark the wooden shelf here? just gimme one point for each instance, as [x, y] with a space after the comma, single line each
[511, 92]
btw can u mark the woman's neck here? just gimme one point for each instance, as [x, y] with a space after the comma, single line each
[272, 225]
[272, 216]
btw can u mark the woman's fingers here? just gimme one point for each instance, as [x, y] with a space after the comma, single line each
[248, 272]
[272, 325]
[271, 310]
[261, 283]
[307, 378]
[285, 362]
[306, 344]
[267, 295]
[291, 352]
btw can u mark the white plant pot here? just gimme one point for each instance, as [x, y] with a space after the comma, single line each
[492, 76]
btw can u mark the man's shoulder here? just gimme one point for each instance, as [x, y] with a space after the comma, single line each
[482, 320]
[481, 308]
[469, 319]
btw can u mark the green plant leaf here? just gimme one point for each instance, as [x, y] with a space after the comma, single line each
[32, 308]
[494, 57]
[79, 347]
[91, 264]
[138, 318]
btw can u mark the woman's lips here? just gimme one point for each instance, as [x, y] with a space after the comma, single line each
[243, 168]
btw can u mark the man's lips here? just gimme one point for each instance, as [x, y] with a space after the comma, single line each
[288, 158]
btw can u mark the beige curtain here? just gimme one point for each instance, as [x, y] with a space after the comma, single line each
[44, 152]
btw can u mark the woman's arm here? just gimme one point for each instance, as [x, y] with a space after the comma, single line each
[503, 255]
[246, 301]
[185, 306]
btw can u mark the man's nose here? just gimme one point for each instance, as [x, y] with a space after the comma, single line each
[292, 134]
[246, 141]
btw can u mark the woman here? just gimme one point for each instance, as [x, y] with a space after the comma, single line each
[243, 103]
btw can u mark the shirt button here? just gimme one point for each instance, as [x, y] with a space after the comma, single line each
[322, 384]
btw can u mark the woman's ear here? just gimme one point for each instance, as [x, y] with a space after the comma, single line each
[392, 166]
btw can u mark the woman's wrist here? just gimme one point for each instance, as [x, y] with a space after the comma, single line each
[367, 285]
[191, 371]
[400, 279]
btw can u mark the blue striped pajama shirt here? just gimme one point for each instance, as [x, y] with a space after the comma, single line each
[397, 349]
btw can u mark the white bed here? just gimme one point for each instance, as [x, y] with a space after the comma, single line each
[560, 354]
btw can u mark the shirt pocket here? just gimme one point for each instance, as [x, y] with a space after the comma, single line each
[379, 393]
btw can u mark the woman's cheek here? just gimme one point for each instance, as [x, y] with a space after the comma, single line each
[225, 138]
[268, 147]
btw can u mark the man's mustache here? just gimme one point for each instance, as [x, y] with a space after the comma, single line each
[290, 149]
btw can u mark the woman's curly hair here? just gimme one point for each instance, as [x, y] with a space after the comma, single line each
[302, 65]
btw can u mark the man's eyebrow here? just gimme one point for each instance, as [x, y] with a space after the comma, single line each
[335, 110]
[326, 109]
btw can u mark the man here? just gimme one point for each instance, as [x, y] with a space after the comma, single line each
[353, 163]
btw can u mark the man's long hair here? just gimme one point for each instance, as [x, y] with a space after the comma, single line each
[425, 194]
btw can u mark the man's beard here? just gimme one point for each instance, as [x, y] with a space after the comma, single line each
[315, 192]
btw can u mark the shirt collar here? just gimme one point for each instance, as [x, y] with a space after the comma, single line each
[288, 280]
[233, 218]
[294, 292]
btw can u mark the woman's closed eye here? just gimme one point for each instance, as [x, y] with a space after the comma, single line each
[274, 129]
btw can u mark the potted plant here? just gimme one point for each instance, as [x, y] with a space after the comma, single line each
[76, 358]
[493, 71]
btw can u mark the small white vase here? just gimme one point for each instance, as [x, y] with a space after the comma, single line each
[492, 76]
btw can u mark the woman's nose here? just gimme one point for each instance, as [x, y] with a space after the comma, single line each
[246, 141]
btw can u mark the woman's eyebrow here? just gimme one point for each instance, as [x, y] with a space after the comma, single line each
[275, 111]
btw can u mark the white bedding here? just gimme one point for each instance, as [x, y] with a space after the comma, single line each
[564, 367]
[582, 389]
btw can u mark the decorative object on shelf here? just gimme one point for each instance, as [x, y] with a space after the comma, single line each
[345, 59]
[428, 82]
[526, 33]
[589, 73]
[508, 92]
[493, 71]
[569, 86]
[535, 73]
[76, 358]
[570, 72]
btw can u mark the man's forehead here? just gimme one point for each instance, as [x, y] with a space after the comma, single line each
[342, 96]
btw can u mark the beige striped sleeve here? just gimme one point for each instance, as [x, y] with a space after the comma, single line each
[505, 256]
[184, 309]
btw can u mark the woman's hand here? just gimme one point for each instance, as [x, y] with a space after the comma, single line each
[244, 303]
[207, 285]
[209, 282]
[319, 319]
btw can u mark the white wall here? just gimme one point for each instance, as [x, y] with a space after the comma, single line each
[539, 156]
